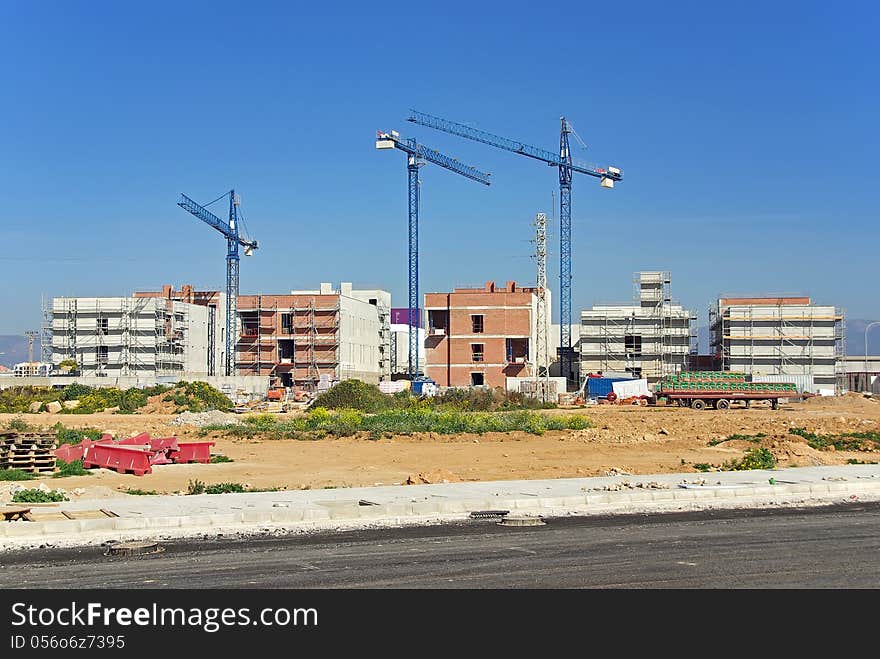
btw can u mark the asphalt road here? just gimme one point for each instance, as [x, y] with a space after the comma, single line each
[829, 547]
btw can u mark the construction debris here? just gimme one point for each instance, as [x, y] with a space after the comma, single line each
[201, 419]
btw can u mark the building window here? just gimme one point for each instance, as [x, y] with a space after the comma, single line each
[633, 345]
[103, 356]
[476, 352]
[287, 323]
[477, 379]
[103, 325]
[477, 324]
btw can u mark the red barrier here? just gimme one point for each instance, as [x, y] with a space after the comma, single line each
[163, 443]
[141, 439]
[120, 458]
[71, 452]
[192, 452]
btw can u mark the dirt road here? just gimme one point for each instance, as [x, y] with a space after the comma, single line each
[636, 440]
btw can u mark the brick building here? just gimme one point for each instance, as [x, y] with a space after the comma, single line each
[480, 336]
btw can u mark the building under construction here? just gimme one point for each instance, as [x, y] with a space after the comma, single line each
[297, 338]
[129, 336]
[782, 335]
[649, 338]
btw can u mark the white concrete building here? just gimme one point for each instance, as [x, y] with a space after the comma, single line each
[649, 338]
[783, 335]
[130, 336]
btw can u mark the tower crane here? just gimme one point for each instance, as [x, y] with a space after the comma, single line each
[418, 155]
[563, 161]
[233, 240]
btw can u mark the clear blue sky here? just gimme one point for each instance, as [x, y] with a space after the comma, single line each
[747, 133]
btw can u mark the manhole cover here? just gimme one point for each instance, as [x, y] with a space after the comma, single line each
[521, 520]
[134, 548]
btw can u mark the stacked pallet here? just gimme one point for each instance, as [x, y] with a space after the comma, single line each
[30, 452]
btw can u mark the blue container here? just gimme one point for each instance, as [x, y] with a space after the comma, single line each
[416, 386]
[601, 387]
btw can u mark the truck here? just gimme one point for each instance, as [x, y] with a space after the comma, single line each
[718, 389]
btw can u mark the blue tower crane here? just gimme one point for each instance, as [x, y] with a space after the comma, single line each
[418, 155]
[563, 161]
[233, 240]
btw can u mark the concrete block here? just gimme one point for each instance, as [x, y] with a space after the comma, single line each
[256, 516]
[426, 508]
[661, 495]
[838, 487]
[169, 522]
[399, 508]
[69, 526]
[448, 507]
[3, 527]
[284, 515]
[315, 513]
[762, 490]
[573, 501]
[225, 519]
[125, 523]
[526, 503]
[819, 488]
[344, 512]
[635, 497]
[195, 521]
[594, 499]
[54, 407]
[97, 524]
[18, 529]
[797, 488]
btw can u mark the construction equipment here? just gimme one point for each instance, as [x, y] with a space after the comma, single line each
[718, 389]
[233, 240]
[418, 155]
[563, 161]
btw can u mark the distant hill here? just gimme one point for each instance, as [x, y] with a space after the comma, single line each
[855, 338]
[14, 349]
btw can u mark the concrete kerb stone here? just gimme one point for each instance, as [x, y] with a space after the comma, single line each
[169, 522]
[88, 525]
[69, 526]
[126, 523]
[19, 529]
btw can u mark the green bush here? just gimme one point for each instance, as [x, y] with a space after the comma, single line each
[850, 441]
[75, 435]
[265, 421]
[198, 397]
[754, 458]
[219, 459]
[15, 475]
[745, 438]
[38, 496]
[355, 395]
[140, 493]
[321, 421]
[73, 468]
[224, 488]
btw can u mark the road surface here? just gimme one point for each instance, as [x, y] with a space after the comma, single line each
[828, 547]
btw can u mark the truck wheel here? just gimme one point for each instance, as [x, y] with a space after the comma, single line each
[698, 404]
[722, 404]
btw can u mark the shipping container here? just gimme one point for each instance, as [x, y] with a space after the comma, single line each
[601, 387]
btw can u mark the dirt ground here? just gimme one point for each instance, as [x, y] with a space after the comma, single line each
[634, 440]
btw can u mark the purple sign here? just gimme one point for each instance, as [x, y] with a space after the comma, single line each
[400, 316]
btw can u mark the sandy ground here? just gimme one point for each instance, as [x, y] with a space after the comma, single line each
[635, 440]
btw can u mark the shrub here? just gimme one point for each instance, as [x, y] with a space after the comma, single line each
[19, 424]
[140, 493]
[15, 475]
[218, 459]
[754, 458]
[73, 468]
[702, 466]
[195, 487]
[356, 395]
[38, 496]
[75, 435]
[198, 397]
[265, 421]
[224, 488]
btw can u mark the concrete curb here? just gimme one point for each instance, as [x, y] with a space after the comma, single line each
[329, 515]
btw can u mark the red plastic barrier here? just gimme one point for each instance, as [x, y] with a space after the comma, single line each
[71, 452]
[163, 443]
[120, 458]
[192, 452]
[141, 439]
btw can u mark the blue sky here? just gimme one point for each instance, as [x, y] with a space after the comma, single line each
[747, 133]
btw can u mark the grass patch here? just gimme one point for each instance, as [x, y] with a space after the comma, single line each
[38, 496]
[850, 441]
[20, 425]
[139, 493]
[746, 438]
[702, 466]
[198, 487]
[198, 397]
[16, 475]
[75, 435]
[853, 461]
[754, 458]
[220, 459]
[74, 468]
[320, 422]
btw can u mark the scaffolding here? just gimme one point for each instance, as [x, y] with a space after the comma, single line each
[542, 317]
[782, 338]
